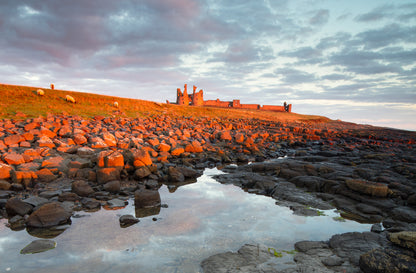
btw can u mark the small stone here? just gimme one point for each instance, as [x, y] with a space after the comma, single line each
[82, 188]
[90, 203]
[128, 220]
[142, 172]
[107, 174]
[4, 185]
[146, 198]
[116, 203]
[112, 186]
[45, 175]
[376, 228]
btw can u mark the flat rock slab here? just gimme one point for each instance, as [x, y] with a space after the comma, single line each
[116, 203]
[38, 246]
[249, 259]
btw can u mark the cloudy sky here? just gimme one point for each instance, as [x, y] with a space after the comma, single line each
[351, 60]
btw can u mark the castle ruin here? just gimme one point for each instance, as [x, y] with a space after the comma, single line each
[197, 99]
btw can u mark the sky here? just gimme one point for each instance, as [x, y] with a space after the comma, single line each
[350, 60]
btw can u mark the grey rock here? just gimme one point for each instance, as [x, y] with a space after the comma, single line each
[128, 220]
[82, 188]
[36, 201]
[116, 203]
[15, 206]
[146, 198]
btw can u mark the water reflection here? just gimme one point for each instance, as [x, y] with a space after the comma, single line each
[201, 219]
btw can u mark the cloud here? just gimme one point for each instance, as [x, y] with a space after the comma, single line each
[377, 14]
[294, 76]
[321, 17]
[388, 35]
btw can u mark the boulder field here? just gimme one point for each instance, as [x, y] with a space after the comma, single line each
[52, 166]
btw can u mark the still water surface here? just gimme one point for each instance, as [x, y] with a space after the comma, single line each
[201, 219]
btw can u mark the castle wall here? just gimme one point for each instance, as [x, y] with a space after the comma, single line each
[217, 103]
[250, 106]
[273, 108]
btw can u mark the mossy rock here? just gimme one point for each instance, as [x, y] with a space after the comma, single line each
[368, 187]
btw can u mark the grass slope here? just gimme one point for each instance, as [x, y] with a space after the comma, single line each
[18, 102]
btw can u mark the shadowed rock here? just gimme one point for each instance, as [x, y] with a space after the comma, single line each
[51, 214]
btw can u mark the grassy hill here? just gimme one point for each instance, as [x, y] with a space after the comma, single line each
[19, 102]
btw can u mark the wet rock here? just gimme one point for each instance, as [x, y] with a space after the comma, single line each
[305, 246]
[377, 228]
[312, 183]
[249, 258]
[128, 220]
[112, 186]
[333, 261]
[142, 172]
[90, 203]
[175, 175]
[82, 188]
[35, 201]
[188, 172]
[51, 214]
[152, 184]
[17, 222]
[288, 195]
[15, 206]
[367, 187]
[38, 246]
[4, 185]
[146, 198]
[45, 175]
[404, 214]
[107, 174]
[68, 196]
[116, 203]
[352, 245]
[386, 261]
[50, 194]
[406, 239]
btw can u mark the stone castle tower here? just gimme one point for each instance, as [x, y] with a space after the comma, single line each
[196, 98]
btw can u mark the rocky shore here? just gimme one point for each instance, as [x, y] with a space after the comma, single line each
[52, 166]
